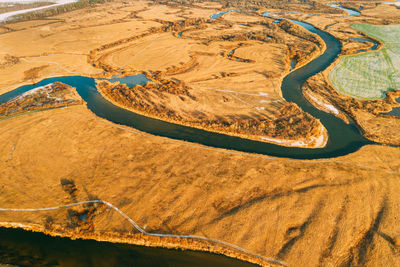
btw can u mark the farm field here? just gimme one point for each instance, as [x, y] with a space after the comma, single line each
[372, 74]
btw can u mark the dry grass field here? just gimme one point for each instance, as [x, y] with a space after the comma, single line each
[332, 212]
[335, 211]
[367, 113]
[62, 44]
[233, 69]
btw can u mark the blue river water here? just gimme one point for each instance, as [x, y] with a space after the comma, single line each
[27, 249]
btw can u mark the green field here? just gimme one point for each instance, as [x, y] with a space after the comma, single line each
[370, 75]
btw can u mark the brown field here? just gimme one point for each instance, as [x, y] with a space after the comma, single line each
[331, 212]
[340, 26]
[64, 45]
[215, 60]
[305, 213]
[366, 113]
[233, 69]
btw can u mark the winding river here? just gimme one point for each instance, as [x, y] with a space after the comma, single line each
[343, 139]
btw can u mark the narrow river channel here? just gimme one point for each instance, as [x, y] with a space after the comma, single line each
[343, 138]
[26, 249]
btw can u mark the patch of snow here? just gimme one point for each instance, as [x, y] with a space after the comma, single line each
[299, 143]
[28, 1]
[8, 15]
[328, 106]
[396, 3]
[279, 141]
[319, 141]
[31, 92]
[270, 101]
[332, 108]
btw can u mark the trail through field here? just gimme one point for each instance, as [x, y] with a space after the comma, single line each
[141, 230]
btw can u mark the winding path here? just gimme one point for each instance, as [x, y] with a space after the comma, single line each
[141, 230]
[343, 138]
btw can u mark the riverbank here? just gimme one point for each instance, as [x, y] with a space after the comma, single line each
[317, 141]
[148, 241]
[304, 212]
[318, 138]
[34, 248]
[72, 143]
[54, 95]
[368, 115]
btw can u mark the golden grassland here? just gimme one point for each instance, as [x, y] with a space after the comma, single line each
[216, 59]
[340, 211]
[233, 69]
[303, 212]
[64, 44]
[366, 113]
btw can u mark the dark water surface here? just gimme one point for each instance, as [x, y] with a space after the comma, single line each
[343, 138]
[394, 111]
[34, 249]
[24, 248]
[364, 40]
